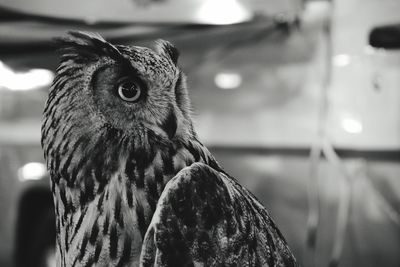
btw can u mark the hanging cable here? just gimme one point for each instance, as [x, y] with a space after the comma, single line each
[313, 205]
[344, 204]
[316, 152]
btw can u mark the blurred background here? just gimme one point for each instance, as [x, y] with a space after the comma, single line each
[298, 99]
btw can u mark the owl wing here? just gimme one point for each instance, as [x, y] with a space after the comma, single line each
[206, 218]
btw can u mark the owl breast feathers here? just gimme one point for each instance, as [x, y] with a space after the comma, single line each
[132, 183]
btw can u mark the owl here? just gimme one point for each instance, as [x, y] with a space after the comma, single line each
[132, 183]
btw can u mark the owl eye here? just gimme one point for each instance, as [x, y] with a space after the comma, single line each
[129, 91]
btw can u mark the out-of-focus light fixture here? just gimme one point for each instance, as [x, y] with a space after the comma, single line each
[228, 80]
[32, 171]
[341, 60]
[20, 81]
[352, 125]
[221, 12]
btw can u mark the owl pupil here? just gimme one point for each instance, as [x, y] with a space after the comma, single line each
[129, 91]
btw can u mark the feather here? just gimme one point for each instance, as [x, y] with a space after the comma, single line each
[86, 44]
[167, 49]
[205, 218]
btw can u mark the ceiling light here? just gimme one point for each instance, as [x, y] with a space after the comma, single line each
[32, 171]
[352, 126]
[228, 80]
[27, 80]
[223, 12]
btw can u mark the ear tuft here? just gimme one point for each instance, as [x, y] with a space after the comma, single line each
[167, 49]
[86, 43]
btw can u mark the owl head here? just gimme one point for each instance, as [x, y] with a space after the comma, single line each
[104, 95]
